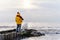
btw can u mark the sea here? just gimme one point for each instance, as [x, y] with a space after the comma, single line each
[51, 30]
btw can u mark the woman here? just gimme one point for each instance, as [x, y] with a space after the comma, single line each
[18, 20]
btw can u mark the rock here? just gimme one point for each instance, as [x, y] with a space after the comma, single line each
[31, 32]
[11, 34]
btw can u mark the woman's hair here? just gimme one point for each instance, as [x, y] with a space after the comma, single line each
[18, 13]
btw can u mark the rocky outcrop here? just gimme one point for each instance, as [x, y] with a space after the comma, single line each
[11, 34]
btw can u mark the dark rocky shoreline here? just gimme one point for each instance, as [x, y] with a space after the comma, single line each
[11, 34]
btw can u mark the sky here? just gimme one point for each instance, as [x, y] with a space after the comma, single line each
[31, 10]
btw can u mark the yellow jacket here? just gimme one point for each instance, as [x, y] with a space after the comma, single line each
[18, 19]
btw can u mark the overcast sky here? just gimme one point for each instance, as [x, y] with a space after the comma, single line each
[31, 10]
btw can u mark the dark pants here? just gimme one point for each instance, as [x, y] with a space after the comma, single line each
[18, 29]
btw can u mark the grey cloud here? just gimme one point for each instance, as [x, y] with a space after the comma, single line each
[51, 5]
[30, 15]
[48, 13]
[41, 16]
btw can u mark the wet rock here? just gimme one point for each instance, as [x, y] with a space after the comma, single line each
[32, 32]
[11, 34]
